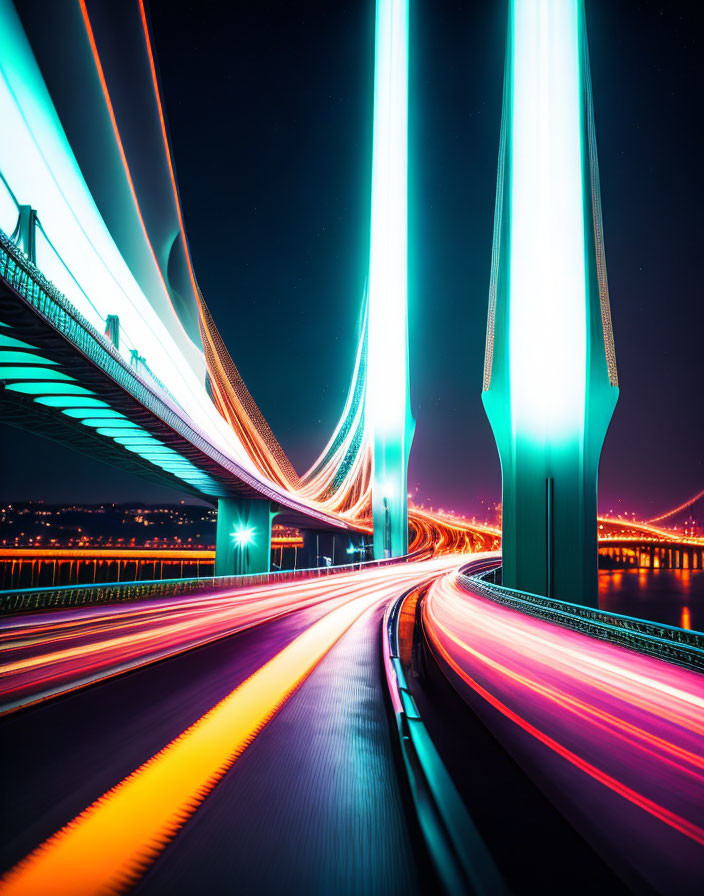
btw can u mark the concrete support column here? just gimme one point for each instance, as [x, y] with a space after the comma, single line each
[243, 538]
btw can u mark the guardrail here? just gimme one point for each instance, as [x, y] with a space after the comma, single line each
[666, 642]
[28, 599]
[461, 859]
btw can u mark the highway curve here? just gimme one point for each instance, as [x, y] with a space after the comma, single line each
[262, 761]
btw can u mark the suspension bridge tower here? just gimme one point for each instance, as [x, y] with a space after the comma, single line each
[388, 413]
[550, 381]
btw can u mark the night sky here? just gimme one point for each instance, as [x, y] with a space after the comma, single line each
[269, 107]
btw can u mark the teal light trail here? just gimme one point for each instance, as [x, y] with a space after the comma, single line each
[388, 412]
[550, 382]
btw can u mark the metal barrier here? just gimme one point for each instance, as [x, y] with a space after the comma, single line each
[462, 861]
[666, 642]
[27, 599]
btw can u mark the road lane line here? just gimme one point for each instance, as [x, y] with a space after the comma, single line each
[108, 846]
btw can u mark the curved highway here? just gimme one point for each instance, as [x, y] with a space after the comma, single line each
[614, 738]
[263, 758]
[243, 740]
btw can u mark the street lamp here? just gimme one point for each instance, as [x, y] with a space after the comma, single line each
[242, 536]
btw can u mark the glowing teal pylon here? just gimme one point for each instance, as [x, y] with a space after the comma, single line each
[388, 413]
[550, 381]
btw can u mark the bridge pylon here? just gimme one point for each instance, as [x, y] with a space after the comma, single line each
[550, 380]
[388, 413]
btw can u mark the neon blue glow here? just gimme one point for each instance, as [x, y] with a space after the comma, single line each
[36, 388]
[387, 397]
[242, 536]
[548, 335]
[33, 373]
[71, 401]
[10, 357]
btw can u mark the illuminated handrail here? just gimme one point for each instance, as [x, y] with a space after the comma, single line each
[666, 642]
[27, 599]
[28, 280]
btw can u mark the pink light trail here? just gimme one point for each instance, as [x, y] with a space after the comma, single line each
[616, 739]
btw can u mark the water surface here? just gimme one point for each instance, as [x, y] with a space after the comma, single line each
[672, 596]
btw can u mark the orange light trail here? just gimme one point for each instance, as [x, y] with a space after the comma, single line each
[107, 553]
[120, 147]
[683, 506]
[54, 652]
[108, 846]
[157, 95]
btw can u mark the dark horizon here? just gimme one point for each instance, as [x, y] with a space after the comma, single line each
[270, 121]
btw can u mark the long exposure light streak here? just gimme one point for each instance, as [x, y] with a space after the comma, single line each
[167, 150]
[118, 139]
[631, 724]
[109, 845]
[50, 653]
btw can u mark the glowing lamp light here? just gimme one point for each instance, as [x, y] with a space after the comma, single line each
[548, 329]
[242, 536]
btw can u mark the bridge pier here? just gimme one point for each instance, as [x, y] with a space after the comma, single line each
[550, 384]
[243, 537]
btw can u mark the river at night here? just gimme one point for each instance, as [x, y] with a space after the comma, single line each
[672, 596]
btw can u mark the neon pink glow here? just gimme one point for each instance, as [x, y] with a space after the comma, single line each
[614, 737]
[49, 653]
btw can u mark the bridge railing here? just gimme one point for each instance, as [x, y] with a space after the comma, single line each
[29, 282]
[666, 642]
[29, 599]
[25, 278]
